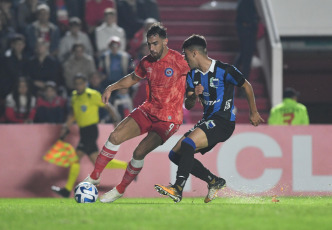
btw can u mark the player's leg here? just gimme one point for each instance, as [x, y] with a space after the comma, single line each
[196, 139]
[198, 170]
[126, 130]
[148, 144]
[114, 164]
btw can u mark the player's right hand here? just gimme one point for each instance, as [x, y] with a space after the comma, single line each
[106, 95]
[199, 89]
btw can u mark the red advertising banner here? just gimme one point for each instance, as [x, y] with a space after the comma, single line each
[255, 161]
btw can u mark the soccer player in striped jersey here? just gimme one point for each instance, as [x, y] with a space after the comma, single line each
[160, 115]
[212, 82]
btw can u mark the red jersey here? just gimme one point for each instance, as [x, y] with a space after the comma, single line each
[167, 85]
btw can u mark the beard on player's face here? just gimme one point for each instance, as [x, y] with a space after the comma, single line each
[156, 54]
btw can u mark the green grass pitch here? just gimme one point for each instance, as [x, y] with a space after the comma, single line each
[299, 213]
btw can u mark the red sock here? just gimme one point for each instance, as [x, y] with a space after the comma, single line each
[129, 176]
[105, 156]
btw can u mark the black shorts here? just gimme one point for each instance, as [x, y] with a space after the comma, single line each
[88, 139]
[216, 129]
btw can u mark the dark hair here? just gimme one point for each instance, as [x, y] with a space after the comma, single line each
[17, 37]
[16, 95]
[290, 92]
[80, 76]
[195, 41]
[76, 45]
[157, 29]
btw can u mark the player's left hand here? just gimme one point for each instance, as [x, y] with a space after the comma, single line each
[256, 119]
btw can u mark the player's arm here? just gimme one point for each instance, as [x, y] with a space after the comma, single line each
[190, 100]
[255, 118]
[123, 83]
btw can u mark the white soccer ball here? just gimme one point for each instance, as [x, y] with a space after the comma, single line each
[86, 192]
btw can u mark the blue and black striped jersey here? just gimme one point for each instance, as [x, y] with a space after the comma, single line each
[218, 83]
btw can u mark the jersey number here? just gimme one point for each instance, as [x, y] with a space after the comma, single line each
[288, 118]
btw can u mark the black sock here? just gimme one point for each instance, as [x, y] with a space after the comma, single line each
[198, 169]
[186, 162]
[202, 173]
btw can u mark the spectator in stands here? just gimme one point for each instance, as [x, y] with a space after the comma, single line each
[95, 82]
[43, 68]
[128, 17]
[132, 13]
[78, 62]
[148, 9]
[94, 12]
[50, 108]
[62, 10]
[289, 112]
[140, 37]
[20, 104]
[108, 29]
[114, 63]
[123, 103]
[73, 36]
[8, 13]
[139, 92]
[26, 13]
[15, 62]
[43, 28]
[5, 34]
[247, 24]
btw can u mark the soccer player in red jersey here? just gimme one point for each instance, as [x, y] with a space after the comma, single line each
[160, 115]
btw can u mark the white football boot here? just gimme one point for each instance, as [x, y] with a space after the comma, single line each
[92, 181]
[110, 196]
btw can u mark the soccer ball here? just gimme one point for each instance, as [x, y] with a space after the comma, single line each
[86, 192]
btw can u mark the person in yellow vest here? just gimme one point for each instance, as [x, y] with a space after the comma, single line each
[85, 104]
[289, 112]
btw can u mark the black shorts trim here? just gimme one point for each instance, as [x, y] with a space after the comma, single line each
[88, 139]
[216, 129]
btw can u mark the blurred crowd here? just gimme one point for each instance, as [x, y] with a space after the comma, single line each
[44, 44]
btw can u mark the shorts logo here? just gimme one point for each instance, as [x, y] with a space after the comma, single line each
[84, 108]
[210, 124]
[169, 72]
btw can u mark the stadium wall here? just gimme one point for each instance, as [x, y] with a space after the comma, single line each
[255, 161]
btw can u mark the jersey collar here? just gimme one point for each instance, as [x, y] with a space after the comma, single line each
[211, 69]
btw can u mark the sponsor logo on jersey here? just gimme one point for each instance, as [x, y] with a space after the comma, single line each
[228, 104]
[169, 72]
[84, 108]
[210, 124]
[210, 102]
[214, 82]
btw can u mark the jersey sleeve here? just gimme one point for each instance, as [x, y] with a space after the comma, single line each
[234, 76]
[140, 70]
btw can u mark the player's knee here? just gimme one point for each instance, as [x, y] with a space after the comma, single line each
[114, 139]
[139, 155]
[174, 157]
